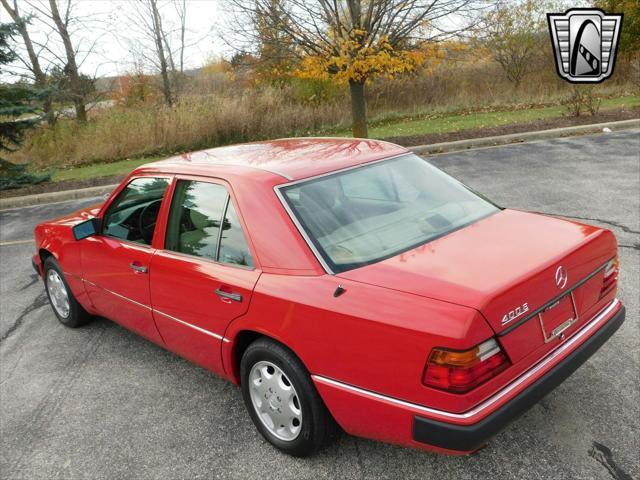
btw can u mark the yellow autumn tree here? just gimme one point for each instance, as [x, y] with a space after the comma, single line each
[353, 41]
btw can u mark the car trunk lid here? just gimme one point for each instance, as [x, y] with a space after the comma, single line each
[505, 266]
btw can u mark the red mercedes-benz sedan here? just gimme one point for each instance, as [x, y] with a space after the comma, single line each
[341, 282]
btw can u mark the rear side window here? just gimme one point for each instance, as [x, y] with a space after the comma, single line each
[133, 214]
[196, 227]
[233, 246]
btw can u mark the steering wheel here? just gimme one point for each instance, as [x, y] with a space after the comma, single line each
[147, 221]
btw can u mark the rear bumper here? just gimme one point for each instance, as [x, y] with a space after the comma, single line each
[472, 437]
[372, 415]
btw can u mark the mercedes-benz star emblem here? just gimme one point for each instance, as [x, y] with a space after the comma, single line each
[561, 277]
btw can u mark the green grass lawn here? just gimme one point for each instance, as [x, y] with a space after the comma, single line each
[455, 123]
[395, 128]
[99, 169]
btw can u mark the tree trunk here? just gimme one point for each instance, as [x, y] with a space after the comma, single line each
[183, 27]
[358, 109]
[157, 27]
[39, 75]
[72, 67]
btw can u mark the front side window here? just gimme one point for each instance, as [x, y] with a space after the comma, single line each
[364, 215]
[133, 214]
[197, 210]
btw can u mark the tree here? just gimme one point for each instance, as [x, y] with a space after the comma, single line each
[275, 50]
[15, 100]
[514, 34]
[71, 67]
[64, 91]
[34, 62]
[354, 41]
[630, 34]
[181, 12]
[159, 41]
[135, 88]
[17, 114]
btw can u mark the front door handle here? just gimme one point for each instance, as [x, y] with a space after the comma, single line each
[136, 267]
[236, 297]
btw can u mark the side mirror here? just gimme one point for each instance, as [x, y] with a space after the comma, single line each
[86, 229]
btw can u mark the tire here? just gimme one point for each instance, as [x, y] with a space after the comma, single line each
[316, 427]
[70, 314]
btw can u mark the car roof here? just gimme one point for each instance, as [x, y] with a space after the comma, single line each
[288, 158]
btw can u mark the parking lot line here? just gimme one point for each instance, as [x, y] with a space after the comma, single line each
[16, 242]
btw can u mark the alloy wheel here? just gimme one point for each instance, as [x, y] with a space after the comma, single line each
[58, 293]
[275, 401]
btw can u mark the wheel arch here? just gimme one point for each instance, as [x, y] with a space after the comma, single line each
[241, 341]
[73, 277]
[43, 253]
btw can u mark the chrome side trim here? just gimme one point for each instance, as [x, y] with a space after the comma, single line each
[118, 295]
[153, 310]
[568, 345]
[186, 324]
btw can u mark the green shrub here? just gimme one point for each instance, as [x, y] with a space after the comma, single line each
[16, 176]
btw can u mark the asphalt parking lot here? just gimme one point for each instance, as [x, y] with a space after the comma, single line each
[100, 402]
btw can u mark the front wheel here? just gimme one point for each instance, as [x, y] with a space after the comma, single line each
[282, 400]
[69, 312]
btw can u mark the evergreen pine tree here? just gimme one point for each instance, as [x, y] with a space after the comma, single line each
[17, 113]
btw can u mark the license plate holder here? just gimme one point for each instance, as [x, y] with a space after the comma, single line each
[558, 317]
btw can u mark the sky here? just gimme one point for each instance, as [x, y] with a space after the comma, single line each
[110, 41]
[106, 28]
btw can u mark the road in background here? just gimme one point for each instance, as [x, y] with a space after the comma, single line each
[101, 402]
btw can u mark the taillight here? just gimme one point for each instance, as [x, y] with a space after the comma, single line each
[610, 280]
[460, 371]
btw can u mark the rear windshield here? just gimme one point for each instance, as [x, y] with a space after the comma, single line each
[364, 215]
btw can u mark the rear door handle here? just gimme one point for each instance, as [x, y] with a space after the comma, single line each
[236, 297]
[136, 267]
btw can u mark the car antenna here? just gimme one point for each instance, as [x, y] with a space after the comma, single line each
[339, 291]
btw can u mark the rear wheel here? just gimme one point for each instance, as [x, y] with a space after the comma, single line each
[69, 312]
[282, 400]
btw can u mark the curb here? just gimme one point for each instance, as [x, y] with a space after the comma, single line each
[53, 197]
[522, 137]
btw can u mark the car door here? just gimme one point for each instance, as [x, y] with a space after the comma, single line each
[204, 276]
[116, 262]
